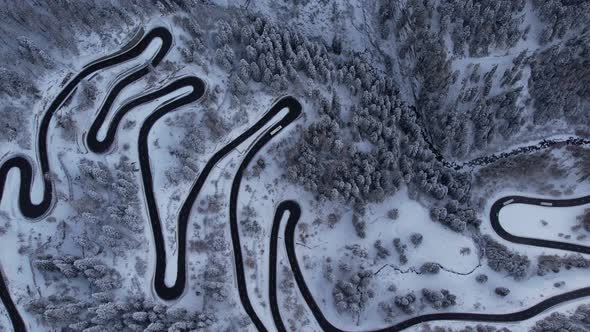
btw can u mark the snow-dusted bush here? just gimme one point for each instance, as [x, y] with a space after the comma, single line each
[352, 295]
[501, 259]
[439, 299]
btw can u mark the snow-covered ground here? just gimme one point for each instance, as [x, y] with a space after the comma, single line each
[23, 236]
[544, 222]
[439, 245]
[565, 308]
[317, 240]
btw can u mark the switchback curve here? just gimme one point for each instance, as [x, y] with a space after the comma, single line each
[550, 203]
[172, 292]
[27, 207]
[273, 260]
[294, 110]
[294, 211]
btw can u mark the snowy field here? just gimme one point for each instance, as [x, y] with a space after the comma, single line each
[558, 224]
[387, 89]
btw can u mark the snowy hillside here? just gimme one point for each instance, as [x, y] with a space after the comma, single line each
[305, 165]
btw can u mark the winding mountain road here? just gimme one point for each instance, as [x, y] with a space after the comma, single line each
[273, 260]
[294, 110]
[36, 210]
[550, 203]
[294, 211]
[32, 210]
[176, 290]
[27, 207]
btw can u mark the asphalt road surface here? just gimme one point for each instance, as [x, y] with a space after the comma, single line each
[176, 290]
[295, 212]
[32, 210]
[294, 110]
